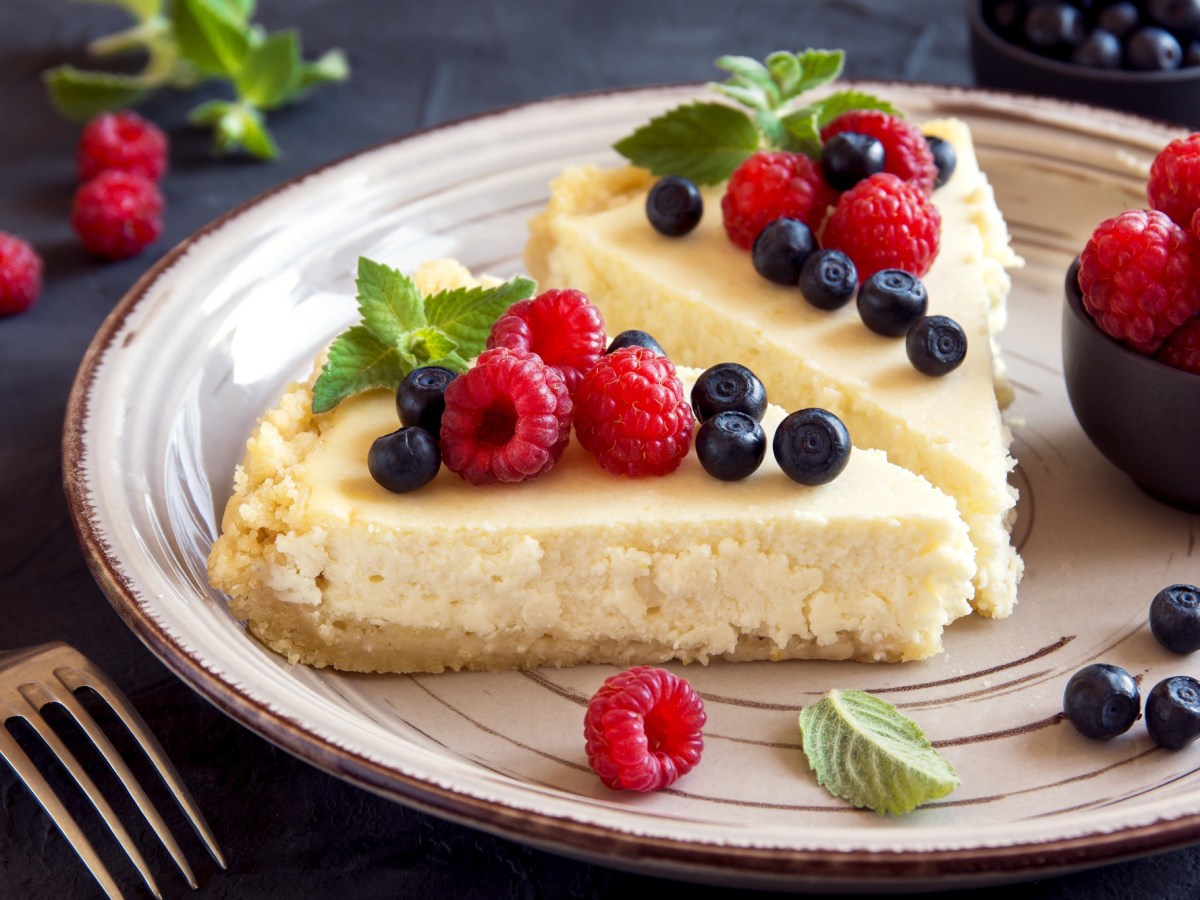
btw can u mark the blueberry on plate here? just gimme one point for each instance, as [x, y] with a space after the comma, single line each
[404, 460]
[421, 397]
[891, 300]
[728, 386]
[828, 279]
[674, 206]
[1175, 618]
[849, 157]
[731, 445]
[635, 338]
[1102, 701]
[812, 446]
[936, 345]
[781, 249]
[1173, 712]
[945, 157]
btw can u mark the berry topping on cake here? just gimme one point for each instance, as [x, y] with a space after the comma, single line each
[891, 300]
[421, 400]
[1102, 701]
[849, 157]
[1173, 712]
[632, 415]
[728, 386]
[731, 445]
[885, 223]
[773, 185]
[121, 140]
[1182, 349]
[1175, 618]
[1137, 276]
[507, 418]
[635, 338]
[117, 214]
[936, 345]
[828, 279]
[404, 460]
[945, 158]
[781, 249]
[644, 729]
[906, 153]
[674, 206]
[1174, 183]
[20, 274]
[560, 326]
[812, 446]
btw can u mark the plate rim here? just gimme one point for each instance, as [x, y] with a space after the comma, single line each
[562, 834]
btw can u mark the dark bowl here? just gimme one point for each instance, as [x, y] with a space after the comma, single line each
[1171, 96]
[1141, 414]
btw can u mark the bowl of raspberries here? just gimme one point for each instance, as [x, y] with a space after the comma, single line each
[1142, 56]
[1131, 332]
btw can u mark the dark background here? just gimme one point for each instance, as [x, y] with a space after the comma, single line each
[287, 829]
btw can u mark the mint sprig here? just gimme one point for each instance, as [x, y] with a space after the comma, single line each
[402, 330]
[705, 142]
[190, 41]
[865, 751]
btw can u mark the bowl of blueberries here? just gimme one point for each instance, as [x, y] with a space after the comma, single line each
[1142, 56]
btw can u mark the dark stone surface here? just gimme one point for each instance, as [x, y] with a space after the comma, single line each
[288, 829]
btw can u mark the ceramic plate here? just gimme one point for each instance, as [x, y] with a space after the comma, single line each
[207, 340]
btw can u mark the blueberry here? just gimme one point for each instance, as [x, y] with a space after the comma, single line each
[781, 249]
[849, 157]
[1175, 618]
[731, 445]
[405, 459]
[1118, 19]
[1151, 49]
[1102, 701]
[828, 279]
[1173, 712]
[674, 206]
[1101, 50]
[891, 300]
[1053, 29]
[635, 338]
[936, 345]
[1005, 17]
[812, 446]
[421, 400]
[1175, 15]
[945, 157]
[728, 386]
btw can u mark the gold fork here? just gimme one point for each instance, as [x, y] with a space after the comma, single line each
[34, 677]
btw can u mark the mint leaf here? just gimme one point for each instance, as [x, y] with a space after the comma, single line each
[211, 36]
[210, 112]
[817, 67]
[466, 314]
[331, 66]
[142, 10]
[255, 138]
[79, 95]
[803, 132]
[388, 301]
[358, 361]
[238, 10]
[785, 71]
[235, 125]
[701, 141]
[864, 751]
[844, 101]
[270, 70]
[426, 344]
[751, 83]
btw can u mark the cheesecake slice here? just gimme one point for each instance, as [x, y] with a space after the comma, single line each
[700, 296]
[578, 566]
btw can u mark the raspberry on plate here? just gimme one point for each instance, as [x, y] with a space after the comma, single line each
[772, 185]
[507, 418]
[632, 414]
[121, 140]
[20, 274]
[885, 223]
[1174, 183]
[1182, 349]
[906, 153]
[644, 729]
[117, 214]
[1137, 276]
[563, 327]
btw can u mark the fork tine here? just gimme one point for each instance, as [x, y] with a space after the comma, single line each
[83, 673]
[67, 758]
[109, 752]
[11, 752]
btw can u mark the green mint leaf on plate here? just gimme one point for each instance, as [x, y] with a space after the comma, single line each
[212, 36]
[802, 131]
[466, 314]
[701, 141]
[270, 71]
[817, 67]
[751, 83]
[79, 95]
[358, 361]
[844, 101]
[388, 301]
[864, 751]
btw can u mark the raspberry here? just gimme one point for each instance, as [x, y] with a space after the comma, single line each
[885, 223]
[1174, 184]
[1182, 349]
[507, 418]
[562, 327]
[117, 214]
[906, 153]
[770, 185]
[631, 413]
[1137, 274]
[121, 140]
[643, 729]
[20, 275]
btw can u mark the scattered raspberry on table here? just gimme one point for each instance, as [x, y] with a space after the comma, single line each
[20, 274]
[117, 214]
[121, 140]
